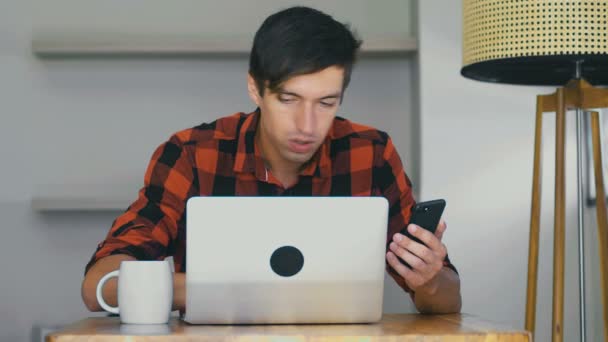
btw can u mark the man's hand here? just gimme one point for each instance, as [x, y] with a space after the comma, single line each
[426, 260]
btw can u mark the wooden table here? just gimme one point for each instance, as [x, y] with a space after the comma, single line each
[399, 327]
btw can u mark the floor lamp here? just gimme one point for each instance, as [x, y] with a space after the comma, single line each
[561, 43]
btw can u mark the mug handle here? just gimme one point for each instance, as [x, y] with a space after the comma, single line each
[102, 281]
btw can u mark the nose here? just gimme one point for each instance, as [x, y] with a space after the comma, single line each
[306, 120]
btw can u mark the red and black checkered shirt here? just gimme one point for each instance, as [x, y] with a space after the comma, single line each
[221, 159]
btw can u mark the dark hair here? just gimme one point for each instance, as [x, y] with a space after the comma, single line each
[298, 41]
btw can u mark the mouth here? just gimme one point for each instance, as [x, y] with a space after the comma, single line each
[301, 146]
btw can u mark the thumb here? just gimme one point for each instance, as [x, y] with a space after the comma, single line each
[441, 227]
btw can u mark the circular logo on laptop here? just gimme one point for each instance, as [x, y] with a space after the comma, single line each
[287, 261]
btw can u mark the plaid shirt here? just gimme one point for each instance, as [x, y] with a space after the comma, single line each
[221, 159]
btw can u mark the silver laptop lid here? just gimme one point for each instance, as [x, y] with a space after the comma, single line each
[285, 259]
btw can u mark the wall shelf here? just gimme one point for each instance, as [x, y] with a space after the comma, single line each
[75, 46]
[111, 197]
[48, 204]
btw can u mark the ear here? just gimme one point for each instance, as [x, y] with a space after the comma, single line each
[252, 89]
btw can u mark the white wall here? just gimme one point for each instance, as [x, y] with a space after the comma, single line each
[98, 121]
[477, 147]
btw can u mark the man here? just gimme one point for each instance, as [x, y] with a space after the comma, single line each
[292, 144]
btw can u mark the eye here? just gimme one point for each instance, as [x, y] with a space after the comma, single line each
[327, 104]
[285, 99]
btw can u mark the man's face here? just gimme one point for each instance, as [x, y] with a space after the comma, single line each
[295, 119]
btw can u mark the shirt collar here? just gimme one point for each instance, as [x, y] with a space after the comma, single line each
[249, 157]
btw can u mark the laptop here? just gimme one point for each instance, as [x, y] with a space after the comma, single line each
[285, 260]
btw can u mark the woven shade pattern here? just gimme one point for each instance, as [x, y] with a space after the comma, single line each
[524, 28]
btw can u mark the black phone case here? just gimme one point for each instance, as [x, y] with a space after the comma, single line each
[426, 215]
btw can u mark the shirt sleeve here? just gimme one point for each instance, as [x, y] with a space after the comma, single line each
[149, 226]
[396, 187]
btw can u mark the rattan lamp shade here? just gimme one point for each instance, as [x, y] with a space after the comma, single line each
[535, 42]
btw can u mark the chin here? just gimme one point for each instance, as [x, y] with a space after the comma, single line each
[298, 157]
[301, 158]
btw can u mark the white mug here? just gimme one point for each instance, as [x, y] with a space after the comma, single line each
[145, 292]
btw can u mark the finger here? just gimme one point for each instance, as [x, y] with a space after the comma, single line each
[404, 241]
[418, 249]
[412, 279]
[425, 236]
[415, 262]
[441, 227]
[420, 270]
[398, 266]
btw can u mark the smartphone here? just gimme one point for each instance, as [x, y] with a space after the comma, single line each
[426, 215]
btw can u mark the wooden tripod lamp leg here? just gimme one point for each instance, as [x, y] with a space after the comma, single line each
[602, 218]
[560, 215]
[534, 220]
